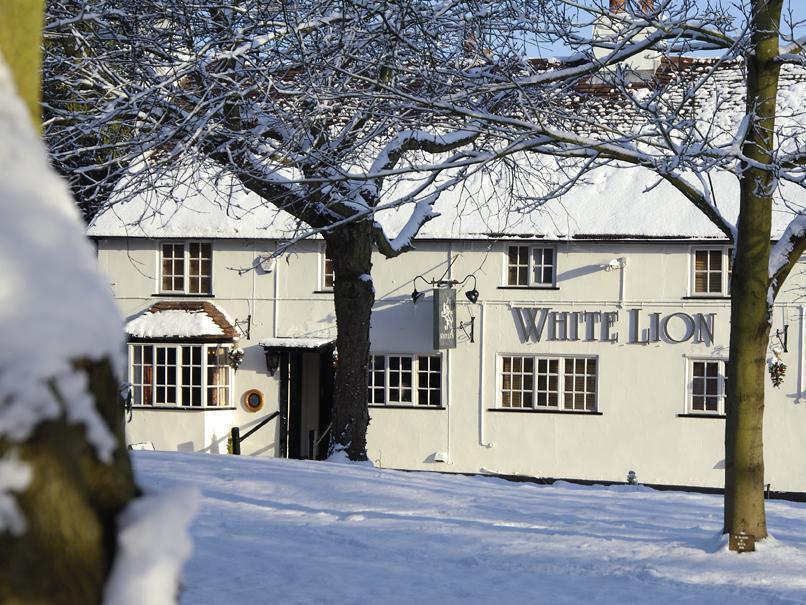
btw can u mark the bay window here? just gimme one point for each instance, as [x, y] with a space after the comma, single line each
[180, 375]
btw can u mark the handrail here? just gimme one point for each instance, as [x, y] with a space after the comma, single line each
[236, 432]
[324, 434]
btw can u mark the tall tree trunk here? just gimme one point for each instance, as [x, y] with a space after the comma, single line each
[20, 42]
[750, 308]
[70, 507]
[350, 249]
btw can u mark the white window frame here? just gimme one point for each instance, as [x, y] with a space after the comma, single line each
[323, 273]
[726, 270]
[178, 385]
[531, 266]
[415, 378]
[185, 266]
[561, 390]
[721, 384]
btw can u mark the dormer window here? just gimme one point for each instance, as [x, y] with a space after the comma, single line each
[186, 268]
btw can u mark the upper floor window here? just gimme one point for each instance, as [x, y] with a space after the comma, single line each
[531, 266]
[405, 380]
[707, 387]
[180, 375]
[186, 267]
[327, 272]
[712, 271]
[561, 383]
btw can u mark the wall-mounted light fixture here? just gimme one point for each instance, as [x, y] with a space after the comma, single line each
[472, 295]
[272, 360]
[615, 264]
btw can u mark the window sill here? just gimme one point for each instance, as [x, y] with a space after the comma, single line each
[543, 411]
[707, 297]
[180, 295]
[323, 291]
[377, 406]
[528, 287]
[182, 408]
[696, 415]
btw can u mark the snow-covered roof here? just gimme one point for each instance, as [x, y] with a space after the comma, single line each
[296, 343]
[181, 320]
[611, 202]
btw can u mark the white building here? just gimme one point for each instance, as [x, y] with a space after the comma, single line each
[597, 344]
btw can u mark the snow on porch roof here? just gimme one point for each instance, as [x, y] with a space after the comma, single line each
[296, 343]
[183, 319]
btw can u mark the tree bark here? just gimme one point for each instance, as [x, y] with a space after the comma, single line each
[70, 507]
[350, 250]
[71, 504]
[751, 306]
[20, 42]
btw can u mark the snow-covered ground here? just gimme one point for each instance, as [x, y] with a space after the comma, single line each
[280, 531]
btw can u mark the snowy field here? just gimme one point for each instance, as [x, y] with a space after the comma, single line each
[280, 531]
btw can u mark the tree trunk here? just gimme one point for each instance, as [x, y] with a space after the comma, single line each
[350, 250]
[70, 507]
[20, 42]
[750, 308]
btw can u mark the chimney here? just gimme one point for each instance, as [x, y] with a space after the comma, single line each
[617, 6]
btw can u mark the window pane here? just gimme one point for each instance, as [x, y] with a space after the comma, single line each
[522, 276]
[517, 380]
[580, 384]
[518, 265]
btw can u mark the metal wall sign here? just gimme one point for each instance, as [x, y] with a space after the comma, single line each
[539, 323]
[444, 318]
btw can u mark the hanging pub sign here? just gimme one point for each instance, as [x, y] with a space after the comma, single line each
[444, 318]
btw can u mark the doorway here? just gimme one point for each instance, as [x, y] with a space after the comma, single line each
[306, 402]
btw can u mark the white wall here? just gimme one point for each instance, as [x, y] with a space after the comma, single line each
[642, 388]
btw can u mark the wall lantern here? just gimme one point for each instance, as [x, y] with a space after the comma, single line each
[272, 360]
[472, 295]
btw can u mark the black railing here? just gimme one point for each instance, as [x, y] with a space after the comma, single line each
[236, 437]
[313, 442]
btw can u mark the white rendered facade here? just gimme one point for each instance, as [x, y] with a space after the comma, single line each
[607, 358]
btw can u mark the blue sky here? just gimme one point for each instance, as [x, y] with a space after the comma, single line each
[796, 9]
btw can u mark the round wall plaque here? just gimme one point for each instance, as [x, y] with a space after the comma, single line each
[253, 400]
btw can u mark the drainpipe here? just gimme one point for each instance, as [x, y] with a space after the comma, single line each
[482, 374]
[622, 294]
[276, 310]
[801, 351]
